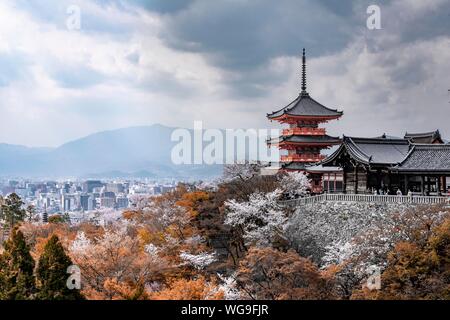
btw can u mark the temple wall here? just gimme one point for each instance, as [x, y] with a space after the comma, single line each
[352, 179]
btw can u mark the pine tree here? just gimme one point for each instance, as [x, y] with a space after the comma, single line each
[52, 273]
[17, 281]
[11, 211]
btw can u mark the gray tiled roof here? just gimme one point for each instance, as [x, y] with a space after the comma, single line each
[427, 157]
[304, 105]
[320, 168]
[293, 166]
[377, 151]
[424, 137]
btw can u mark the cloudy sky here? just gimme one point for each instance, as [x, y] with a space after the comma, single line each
[226, 62]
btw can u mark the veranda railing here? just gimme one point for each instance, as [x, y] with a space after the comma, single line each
[341, 197]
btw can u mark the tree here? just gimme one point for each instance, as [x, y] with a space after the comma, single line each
[199, 261]
[242, 180]
[17, 281]
[57, 218]
[11, 211]
[31, 213]
[261, 219]
[52, 273]
[187, 289]
[241, 171]
[358, 236]
[295, 184]
[416, 270]
[269, 274]
[116, 265]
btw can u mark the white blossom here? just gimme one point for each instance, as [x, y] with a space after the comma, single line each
[229, 287]
[261, 218]
[295, 184]
[152, 250]
[338, 252]
[80, 244]
[242, 171]
[199, 261]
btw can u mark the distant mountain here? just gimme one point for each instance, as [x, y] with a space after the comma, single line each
[131, 152]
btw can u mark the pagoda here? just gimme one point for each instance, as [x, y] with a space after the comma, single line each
[304, 138]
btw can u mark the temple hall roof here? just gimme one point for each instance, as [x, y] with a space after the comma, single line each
[426, 158]
[376, 151]
[425, 137]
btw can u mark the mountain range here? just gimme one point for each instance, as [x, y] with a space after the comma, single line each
[136, 152]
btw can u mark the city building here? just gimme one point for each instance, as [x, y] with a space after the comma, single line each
[122, 202]
[107, 202]
[89, 185]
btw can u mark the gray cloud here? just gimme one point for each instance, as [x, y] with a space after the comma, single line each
[238, 59]
[242, 35]
[161, 6]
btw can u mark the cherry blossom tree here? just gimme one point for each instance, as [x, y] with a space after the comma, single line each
[115, 261]
[199, 261]
[358, 236]
[241, 171]
[295, 184]
[261, 219]
[229, 287]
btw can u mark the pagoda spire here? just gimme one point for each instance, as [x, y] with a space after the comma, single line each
[304, 92]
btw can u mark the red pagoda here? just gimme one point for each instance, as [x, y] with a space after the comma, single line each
[304, 139]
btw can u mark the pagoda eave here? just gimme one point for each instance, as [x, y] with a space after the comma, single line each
[286, 118]
[306, 144]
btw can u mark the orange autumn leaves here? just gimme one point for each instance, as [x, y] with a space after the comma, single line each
[143, 256]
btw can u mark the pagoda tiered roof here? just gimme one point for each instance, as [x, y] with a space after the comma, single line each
[304, 108]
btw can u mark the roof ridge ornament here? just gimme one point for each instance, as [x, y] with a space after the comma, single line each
[304, 92]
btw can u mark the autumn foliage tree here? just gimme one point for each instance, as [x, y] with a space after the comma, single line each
[267, 273]
[416, 270]
[116, 265]
[189, 289]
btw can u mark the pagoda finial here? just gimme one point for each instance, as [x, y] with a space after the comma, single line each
[304, 73]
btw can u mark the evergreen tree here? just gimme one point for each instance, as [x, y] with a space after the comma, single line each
[52, 273]
[17, 281]
[11, 211]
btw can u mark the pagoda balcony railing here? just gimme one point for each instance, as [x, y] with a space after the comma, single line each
[303, 158]
[304, 131]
